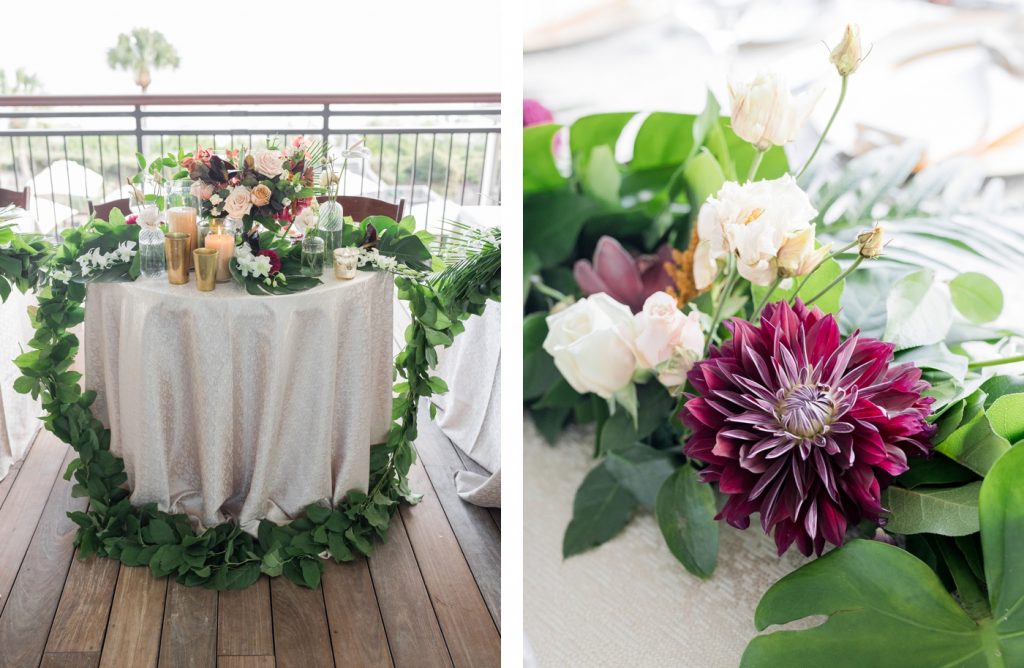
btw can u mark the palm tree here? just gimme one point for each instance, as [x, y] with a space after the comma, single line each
[139, 51]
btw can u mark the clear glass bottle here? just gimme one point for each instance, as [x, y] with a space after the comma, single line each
[312, 262]
[331, 225]
[151, 243]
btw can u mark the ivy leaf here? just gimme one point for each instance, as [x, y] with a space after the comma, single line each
[686, 515]
[885, 606]
[603, 506]
[162, 533]
[947, 512]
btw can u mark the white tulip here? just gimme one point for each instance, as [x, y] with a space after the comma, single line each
[755, 222]
[766, 113]
[590, 343]
[666, 340]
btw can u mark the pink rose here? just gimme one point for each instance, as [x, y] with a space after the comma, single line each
[203, 191]
[238, 202]
[268, 163]
[261, 195]
[665, 340]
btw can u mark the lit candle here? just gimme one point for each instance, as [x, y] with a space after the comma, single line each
[225, 246]
[183, 219]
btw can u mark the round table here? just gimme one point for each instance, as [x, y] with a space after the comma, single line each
[227, 406]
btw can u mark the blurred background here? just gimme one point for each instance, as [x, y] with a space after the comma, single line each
[947, 74]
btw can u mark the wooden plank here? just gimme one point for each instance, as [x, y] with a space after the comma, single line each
[413, 632]
[189, 636]
[245, 662]
[244, 626]
[469, 631]
[24, 506]
[71, 660]
[133, 633]
[357, 629]
[25, 622]
[301, 638]
[81, 619]
[474, 528]
[8, 481]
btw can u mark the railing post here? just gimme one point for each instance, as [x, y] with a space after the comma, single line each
[327, 122]
[138, 127]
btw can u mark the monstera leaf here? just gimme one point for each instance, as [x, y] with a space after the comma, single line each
[885, 607]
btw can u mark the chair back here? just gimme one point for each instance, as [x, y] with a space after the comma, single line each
[363, 207]
[102, 211]
[15, 197]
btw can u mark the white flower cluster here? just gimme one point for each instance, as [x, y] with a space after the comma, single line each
[255, 266]
[372, 257]
[61, 275]
[94, 259]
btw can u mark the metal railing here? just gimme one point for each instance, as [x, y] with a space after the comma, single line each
[438, 152]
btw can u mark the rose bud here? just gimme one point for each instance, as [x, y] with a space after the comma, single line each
[870, 243]
[846, 56]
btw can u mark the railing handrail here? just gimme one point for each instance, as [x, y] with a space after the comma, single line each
[254, 98]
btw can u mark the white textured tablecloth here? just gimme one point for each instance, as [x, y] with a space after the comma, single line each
[470, 412]
[19, 413]
[231, 406]
[629, 602]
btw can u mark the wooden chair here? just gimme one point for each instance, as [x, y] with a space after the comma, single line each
[363, 207]
[102, 211]
[20, 199]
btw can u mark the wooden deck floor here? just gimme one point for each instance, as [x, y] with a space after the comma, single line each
[429, 597]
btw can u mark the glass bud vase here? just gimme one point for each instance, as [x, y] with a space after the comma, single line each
[151, 243]
[331, 224]
[312, 261]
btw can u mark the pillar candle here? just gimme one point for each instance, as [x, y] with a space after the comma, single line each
[225, 246]
[183, 219]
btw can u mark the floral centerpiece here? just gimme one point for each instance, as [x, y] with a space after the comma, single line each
[748, 344]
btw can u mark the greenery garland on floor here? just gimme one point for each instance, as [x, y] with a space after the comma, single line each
[225, 557]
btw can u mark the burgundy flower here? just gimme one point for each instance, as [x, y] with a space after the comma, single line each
[275, 260]
[535, 113]
[626, 279]
[802, 427]
[132, 219]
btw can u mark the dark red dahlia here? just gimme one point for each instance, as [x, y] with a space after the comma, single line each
[802, 427]
[275, 260]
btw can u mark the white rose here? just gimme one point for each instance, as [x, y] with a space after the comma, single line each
[239, 202]
[765, 112]
[215, 199]
[590, 344]
[268, 163]
[666, 340]
[798, 256]
[149, 216]
[306, 219]
[755, 222]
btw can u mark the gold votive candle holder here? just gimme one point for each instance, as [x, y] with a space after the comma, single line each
[205, 262]
[176, 253]
[346, 261]
[183, 219]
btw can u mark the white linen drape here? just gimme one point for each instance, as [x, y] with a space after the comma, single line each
[19, 413]
[229, 406]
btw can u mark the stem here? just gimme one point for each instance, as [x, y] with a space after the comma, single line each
[996, 362]
[971, 596]
[764, 300]
[818, 266]
[755, 164]
[546, 290]
[717, 319]
[821, 139]
[836, 280]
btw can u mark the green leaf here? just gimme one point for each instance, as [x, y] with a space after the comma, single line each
[934, 471]
[685, 509]
[552, 222]
[881, 599]
[664, 139]
[162, 532]
[602, 177]
[603, 506]
[641, 469]
[936, 356]
[918, 313]
[311, 569]
[1007, 416]
[539, 169]
[977, 297]
[703, 177]
[975, 444]
[590, 132]
[947, 512]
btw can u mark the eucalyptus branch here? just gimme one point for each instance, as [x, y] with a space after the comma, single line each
[828, 126]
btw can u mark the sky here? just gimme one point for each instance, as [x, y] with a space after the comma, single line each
[310, 46]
